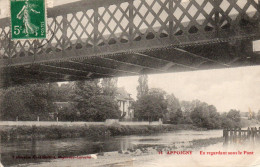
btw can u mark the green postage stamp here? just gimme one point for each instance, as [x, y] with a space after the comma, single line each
[28, 19]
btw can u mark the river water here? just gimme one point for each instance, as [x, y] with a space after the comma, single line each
[83, 146]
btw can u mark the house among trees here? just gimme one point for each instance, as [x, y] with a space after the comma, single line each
[125, 102]
[68, 110]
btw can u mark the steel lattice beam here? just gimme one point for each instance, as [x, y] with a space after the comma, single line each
[112, 29]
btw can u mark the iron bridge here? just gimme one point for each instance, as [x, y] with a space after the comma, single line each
[91, 39]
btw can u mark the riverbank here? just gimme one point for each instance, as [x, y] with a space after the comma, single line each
[9, 133]
[151, 158]
[126, 158]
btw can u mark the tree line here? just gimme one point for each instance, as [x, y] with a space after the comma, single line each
[92, 100]
[154, 103]
[95, 100]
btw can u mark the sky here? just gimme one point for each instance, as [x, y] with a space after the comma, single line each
[234, 88]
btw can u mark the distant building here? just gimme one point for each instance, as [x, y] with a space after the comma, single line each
[125, 102]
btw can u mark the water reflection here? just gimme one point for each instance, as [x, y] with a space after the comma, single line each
[0, 154]
[84, 146]
[126, 143]
[33, 148]
[12, 152]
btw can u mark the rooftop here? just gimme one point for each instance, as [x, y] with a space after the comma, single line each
[123, 95]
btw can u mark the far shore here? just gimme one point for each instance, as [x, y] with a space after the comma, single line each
[27, 131]
[9, 133]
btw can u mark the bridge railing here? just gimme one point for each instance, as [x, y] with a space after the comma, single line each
[133, 25]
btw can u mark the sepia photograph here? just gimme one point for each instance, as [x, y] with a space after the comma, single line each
[129, 83]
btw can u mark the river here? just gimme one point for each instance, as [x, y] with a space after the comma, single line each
[83, 146]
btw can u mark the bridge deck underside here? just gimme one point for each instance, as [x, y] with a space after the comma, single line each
[155, 61]
[96, 39]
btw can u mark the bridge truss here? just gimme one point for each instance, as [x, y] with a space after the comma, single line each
[95, 39]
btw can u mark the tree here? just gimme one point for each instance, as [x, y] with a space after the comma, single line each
[152, 106]
[173, 103]
[64, 92]
[253, 115]
[142, 88]
[258, 115]
[109, 86]
[100, 108]
[199, 116]
[226, 122]
[83, 90]
[174, 113]
[206, 116]
[27, 102]
[161, 94]
[92, 103]
[13, 104]
[231, 119]
[234, 115]
[214, 117]
[69, 113]
[176, 117]
[187, 106]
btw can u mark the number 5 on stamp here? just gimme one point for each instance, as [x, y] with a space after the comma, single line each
[28, 19]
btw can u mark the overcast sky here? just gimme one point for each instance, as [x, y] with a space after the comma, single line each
[234, 88]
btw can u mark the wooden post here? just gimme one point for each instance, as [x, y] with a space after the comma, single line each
[242, 135]
[239, 135]
[235, 135]
[259, 133]
[248, 133]
[231, 135]
[225, 135]
[253, 135]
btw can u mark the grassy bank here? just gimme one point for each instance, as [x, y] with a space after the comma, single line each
[91, 131]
